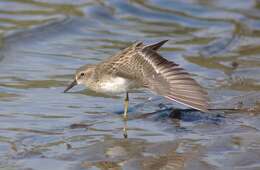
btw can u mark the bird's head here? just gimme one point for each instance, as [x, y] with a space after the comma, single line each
[82, 76]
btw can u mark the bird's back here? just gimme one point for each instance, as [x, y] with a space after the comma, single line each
[143, 64]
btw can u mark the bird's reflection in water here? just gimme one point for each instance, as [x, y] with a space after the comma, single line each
[178, 115]
[125, 130]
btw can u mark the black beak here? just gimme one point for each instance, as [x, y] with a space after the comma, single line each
[74, 83]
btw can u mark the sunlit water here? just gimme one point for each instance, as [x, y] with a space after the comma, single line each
[43, 42]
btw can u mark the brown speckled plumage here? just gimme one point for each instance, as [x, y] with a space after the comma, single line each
[144, 67]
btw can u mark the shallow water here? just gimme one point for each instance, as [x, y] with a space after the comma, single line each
[43, 42]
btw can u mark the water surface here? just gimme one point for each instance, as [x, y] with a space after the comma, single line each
[42, 42]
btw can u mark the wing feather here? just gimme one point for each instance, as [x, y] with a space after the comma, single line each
[173, 82]
[166, 78]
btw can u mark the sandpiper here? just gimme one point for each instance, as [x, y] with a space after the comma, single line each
[140, 66]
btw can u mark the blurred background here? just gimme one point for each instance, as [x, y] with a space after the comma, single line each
[42, 42]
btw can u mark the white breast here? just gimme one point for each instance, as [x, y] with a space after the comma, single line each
[114, 85]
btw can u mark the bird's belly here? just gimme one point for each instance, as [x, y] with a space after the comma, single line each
[115, 85]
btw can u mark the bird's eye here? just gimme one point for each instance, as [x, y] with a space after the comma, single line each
[82, 74]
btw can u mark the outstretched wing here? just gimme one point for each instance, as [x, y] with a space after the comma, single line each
[127, 63]
[173, 82]
[166, 78]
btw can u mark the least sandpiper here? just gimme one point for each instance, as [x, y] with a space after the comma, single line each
[140, 66]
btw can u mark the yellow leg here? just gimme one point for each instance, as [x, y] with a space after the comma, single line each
[126, 106]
